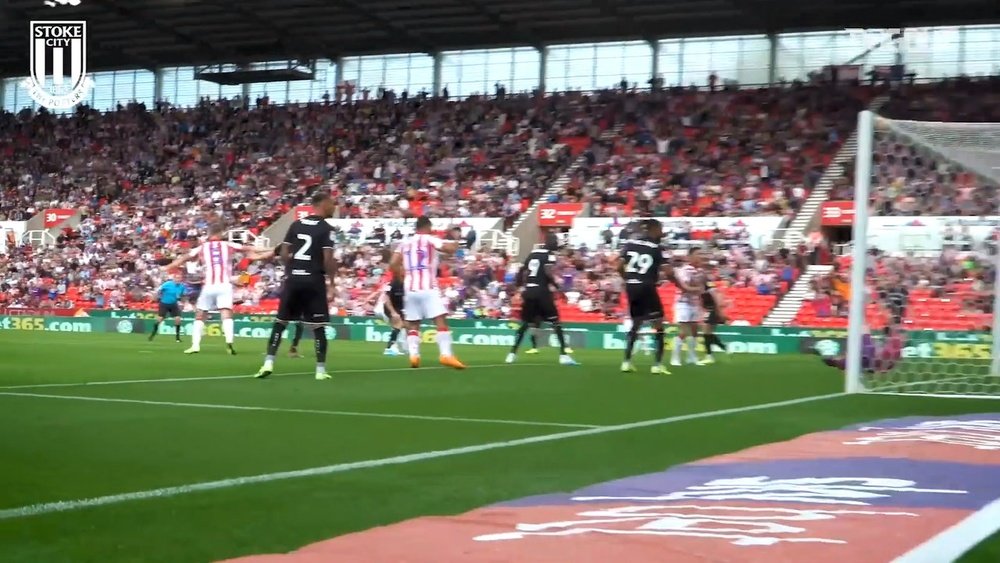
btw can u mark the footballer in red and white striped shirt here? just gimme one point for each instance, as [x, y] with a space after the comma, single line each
[417, 260]
[216, 257]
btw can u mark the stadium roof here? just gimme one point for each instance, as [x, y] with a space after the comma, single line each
[149, 33]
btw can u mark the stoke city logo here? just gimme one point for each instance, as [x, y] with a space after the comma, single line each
[58, 74]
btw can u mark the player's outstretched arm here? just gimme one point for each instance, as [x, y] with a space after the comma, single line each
[258, 255]
[181, 260]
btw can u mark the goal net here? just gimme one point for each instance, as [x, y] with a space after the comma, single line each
[923, 265]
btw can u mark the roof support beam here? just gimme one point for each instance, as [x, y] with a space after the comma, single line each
[516, 29]
[754, 12]
[294, 45]
[609, 9]
[358, 7]
[149, 22]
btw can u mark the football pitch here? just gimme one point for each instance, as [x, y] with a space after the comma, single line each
[116, 449]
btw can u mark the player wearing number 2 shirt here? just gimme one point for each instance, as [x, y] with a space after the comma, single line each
[416, 260]
[639, 265]
[307, 254]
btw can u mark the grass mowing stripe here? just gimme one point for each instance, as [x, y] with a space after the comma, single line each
[301, 411]
[221, 377]
[64, 506]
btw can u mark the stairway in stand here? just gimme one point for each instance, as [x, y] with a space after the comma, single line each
[788, 307]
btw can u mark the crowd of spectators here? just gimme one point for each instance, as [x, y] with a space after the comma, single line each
[729, 152]
[953, 286]
[148, 180]
[918, 169]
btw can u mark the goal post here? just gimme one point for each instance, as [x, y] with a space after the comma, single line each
[923, 278]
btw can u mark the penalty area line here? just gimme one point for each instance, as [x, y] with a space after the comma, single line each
[299, 411]
[245, 376]
[68, 505]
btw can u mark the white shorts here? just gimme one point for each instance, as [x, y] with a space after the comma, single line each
[422, 305]
[686, 313]
[215, 297]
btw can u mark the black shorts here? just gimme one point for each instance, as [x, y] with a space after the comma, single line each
[397, 304]
[643, 302]
[304, 300]
[169, 310]
[714, 318]
[538, 307]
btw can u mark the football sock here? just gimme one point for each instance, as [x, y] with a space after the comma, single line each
[675, 355]
[717, 342]
[319, 339]
[707, 339]
[444, 342]
[534, 339]
[521, 330]
[156, 328]
[228, 330]
[413, 343]
[196, 330]
[660, 342]
[298, 335]
[557, 327]
[177, 331]
[392, 338]
[277, 329]
[633, 335]
[692, 343]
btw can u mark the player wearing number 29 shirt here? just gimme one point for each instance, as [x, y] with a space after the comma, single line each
[416, 260]
[640, 265]
[307, 254]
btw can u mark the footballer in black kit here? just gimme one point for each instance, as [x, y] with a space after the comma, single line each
[538, 300]
[712, 305]
[307, 254]
[640, 264]
[394, 292]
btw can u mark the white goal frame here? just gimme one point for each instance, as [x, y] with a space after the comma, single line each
[854, 380]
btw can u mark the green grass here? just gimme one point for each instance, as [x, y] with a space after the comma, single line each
[57, 449]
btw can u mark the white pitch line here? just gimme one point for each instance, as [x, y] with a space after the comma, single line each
[67, 505]
[951, 543]
[247, 376]
[300, 411]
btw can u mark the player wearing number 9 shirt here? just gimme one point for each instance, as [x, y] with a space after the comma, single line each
[539, 302]
[639, 264]
[416, 260]
[307, 254]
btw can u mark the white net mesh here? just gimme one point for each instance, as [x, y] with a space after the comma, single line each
[932, 259]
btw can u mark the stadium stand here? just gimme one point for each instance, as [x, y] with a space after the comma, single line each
[149, 181]
[732, 152]
[953, 289]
